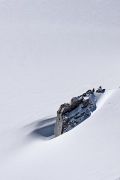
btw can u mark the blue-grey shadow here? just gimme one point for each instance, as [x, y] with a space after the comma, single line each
[43, 128]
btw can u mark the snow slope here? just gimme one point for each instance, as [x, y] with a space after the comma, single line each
[89, 151]
[50, 52]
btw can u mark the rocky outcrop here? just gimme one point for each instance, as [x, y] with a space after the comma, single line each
[71, 114]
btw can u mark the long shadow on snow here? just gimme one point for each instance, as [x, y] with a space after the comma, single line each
[43, 128]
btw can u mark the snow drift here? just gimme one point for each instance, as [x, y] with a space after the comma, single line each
[52, 51]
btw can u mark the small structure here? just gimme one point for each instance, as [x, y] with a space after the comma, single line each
[79, 109]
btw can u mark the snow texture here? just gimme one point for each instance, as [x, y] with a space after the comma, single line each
[52, 51]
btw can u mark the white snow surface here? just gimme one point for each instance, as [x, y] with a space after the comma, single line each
[50, 52]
